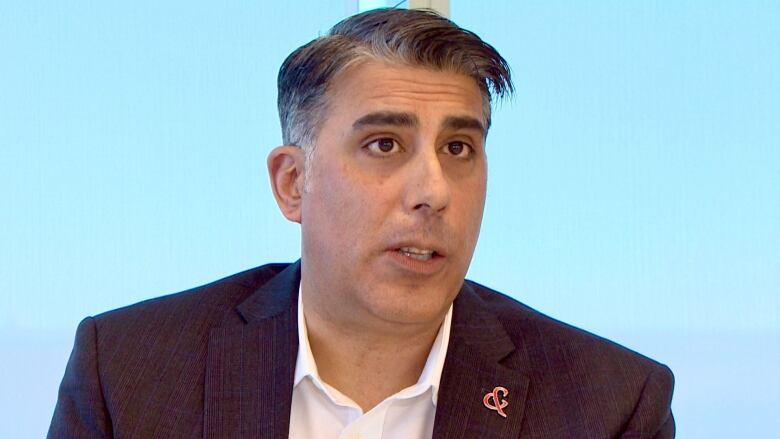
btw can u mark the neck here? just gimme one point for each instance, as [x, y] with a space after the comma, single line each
[367, 364]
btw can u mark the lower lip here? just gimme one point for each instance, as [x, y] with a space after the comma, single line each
[430, 266]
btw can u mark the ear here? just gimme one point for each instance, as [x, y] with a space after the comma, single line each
[285, 167]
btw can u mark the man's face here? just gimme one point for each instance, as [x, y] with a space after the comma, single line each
[394, 194]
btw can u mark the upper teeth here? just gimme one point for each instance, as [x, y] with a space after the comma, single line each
[416, 253]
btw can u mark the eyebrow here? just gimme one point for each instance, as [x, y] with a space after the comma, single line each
[463, 123]
[402, 119]
[387, 118]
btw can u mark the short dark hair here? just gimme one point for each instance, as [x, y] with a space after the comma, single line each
[413, 37]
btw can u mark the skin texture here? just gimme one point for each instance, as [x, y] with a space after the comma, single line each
[399, 162]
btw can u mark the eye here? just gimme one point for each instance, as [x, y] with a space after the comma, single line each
[458, 149]
[383, 146]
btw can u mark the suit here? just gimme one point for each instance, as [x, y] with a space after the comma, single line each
[218, 362]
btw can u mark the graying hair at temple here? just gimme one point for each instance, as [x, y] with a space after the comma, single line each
[409, 37]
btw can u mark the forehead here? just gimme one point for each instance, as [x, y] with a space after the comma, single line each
[382, 86]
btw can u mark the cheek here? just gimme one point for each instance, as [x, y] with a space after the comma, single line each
[341, 204]
[472, 202]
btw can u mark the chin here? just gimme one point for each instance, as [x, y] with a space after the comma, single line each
[411, 308]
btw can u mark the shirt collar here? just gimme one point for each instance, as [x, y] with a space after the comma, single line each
[429, 378]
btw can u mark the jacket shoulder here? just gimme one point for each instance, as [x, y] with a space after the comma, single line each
[149, 358]
[135, 339]
[533, 331]
[582, 384]
[217, 297]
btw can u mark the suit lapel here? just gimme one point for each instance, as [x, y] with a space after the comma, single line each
[478, 342]
[250, 366]
[250, 369]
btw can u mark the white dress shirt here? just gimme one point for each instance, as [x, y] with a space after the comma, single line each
[319, 411]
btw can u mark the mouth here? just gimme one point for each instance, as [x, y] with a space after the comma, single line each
[420, 259]
[419, 254]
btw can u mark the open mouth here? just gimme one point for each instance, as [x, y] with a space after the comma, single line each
[418, 253]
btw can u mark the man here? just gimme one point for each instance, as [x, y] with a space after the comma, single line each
[373, 333]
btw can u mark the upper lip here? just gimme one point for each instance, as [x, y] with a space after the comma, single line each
[421, 245]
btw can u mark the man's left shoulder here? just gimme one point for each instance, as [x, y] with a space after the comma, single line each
[561, 345]
[580, 384]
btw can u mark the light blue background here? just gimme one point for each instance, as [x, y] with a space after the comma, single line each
[634, 182]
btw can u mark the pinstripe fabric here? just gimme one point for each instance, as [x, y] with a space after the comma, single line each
[563, 381]
[218, 362]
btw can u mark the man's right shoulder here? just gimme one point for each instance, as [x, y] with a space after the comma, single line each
[217, 300]
[141, 367]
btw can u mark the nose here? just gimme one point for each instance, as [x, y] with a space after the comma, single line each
[427, 188]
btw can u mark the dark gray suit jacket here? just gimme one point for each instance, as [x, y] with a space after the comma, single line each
[218, 362]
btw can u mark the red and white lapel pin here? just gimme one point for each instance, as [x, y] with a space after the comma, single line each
[493, 402]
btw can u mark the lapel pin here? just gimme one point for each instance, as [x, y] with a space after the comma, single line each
[493, 402]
